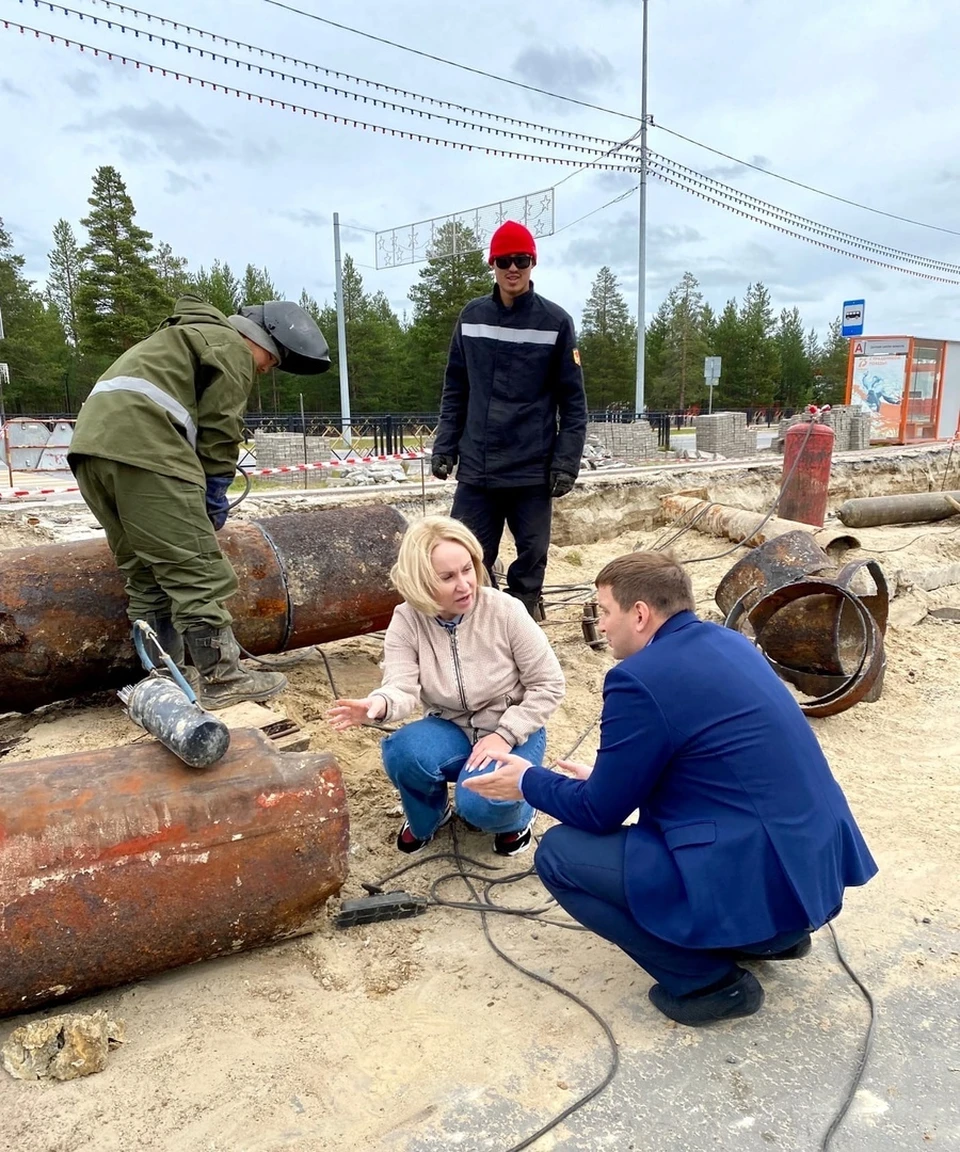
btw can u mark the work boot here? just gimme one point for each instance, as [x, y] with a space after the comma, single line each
[533, 602]
[171, 642]
[223, 681]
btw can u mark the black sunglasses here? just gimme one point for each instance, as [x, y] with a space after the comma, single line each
[504, 262]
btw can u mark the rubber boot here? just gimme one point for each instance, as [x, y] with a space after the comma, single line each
[171, 642]
[223, 682]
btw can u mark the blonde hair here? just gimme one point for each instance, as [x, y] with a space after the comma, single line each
[413, 575]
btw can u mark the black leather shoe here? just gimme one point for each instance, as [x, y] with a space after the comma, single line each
[795, 952]
[741, 998]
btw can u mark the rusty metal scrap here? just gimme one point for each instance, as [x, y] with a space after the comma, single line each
[815, 628]
[305, 578]
[120, 863]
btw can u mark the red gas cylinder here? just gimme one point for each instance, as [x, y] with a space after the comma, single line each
[807, 457]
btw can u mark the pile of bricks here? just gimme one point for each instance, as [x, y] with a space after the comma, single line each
[634, 441]
[726, 434]
[850, 424]
[282, 449]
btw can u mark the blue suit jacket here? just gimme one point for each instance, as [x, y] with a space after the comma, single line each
[743, 831]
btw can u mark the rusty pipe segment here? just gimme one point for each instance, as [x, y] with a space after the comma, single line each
[770, 565]
[907, 508]
[856, 685]
[816, 640]
[121, 863]
[305, 578]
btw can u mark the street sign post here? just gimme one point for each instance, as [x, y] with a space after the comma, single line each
[851, 323]
[711, 377]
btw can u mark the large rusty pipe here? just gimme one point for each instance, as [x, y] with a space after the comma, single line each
[121, 863]
[909, 508]
[724, 520]
[305, 578]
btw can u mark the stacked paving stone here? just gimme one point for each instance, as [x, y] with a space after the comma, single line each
[850, 424]
[283, 449]
[726, 434]
[634, 441]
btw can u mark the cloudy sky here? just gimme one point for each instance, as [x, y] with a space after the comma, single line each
[854, 97]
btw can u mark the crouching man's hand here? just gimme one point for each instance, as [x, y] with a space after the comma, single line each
[501, 784]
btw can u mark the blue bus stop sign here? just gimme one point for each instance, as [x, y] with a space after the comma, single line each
[852, 320]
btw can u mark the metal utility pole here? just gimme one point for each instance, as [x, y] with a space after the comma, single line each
[341, 336]
[639, 401]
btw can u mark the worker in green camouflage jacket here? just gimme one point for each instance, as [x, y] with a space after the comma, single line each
[154, 451]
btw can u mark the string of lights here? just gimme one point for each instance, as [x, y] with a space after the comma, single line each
[748, 215]
[806, 187]
[609, 111]
[664, 171]
[282, 58]
[599, 145]
[792, 218]
[316, 113]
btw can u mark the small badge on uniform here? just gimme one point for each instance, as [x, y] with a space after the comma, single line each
[576, 357]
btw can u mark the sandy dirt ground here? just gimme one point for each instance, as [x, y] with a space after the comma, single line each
[377, 1036]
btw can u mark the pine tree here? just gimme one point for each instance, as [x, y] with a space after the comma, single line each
[257, 287]
[796, 375]
[172, 271]
[728, 343]
[832, 387]
[681, 377]
[34, 346]
[654, 349]
[120, 298]
[218, 287]
[446, 284]
[758, 349]
[63, 282]
[608, 344]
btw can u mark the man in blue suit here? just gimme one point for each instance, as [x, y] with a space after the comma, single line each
[744, 842]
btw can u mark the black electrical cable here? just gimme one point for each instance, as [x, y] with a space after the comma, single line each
[246, 489]
[607, 1030]
[864, 1055]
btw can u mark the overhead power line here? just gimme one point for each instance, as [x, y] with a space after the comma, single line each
[316, 113]
[750, 215]
[727, 191]
[807, 187]
[599, 146]
[592, 144]
[451, 63]
[283, 58]
[666, 172]
[610, 111]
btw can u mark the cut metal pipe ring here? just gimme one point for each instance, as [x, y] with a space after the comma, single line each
[854, 687]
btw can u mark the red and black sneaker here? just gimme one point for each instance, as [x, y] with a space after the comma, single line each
[408, 843]
[513, 843]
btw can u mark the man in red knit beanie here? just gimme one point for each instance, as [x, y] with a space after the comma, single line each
[513, 417]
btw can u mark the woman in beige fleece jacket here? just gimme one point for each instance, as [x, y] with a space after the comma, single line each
[483, 673]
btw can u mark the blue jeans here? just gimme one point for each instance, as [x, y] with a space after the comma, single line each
[584, 874]
[422, 758]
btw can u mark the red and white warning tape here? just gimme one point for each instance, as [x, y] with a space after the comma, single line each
[286, 469]
[336, 463]
[34, 492]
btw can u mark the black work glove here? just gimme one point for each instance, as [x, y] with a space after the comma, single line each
[441, 466]
[561, 483]
[218, 507]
